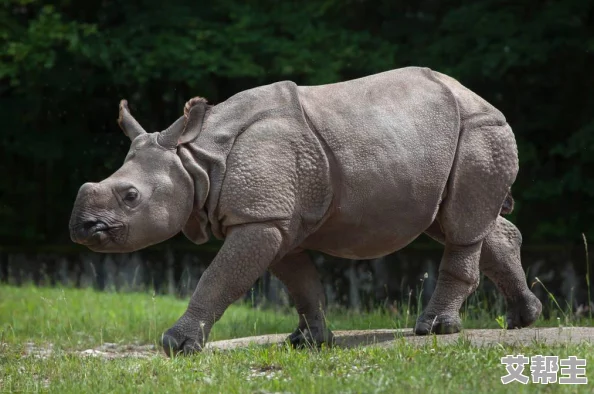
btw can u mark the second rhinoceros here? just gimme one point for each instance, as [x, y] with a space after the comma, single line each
[356, 169]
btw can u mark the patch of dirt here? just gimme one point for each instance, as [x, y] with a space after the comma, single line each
[267, 371]
[38, 351]
[112, 350]
[107, 351]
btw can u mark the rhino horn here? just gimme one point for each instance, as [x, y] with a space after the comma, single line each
[127, 122]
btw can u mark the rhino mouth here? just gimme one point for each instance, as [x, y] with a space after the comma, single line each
[95, 233]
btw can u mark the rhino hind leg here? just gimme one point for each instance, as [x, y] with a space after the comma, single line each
[500, 262]
[299, 274]
[458, 278]
[483, 171]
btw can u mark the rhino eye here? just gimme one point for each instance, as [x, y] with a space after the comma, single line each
[131, 196]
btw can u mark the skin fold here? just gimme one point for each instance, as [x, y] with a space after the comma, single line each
[356, 169]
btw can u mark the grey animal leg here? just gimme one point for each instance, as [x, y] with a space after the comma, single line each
[485, 167]
[301, 277]
[500, 262]
[247, 253]
[458, 278]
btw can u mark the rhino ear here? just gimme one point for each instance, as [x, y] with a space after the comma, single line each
[186, 128]
[127, 122]
[194, 112]
[169, 138]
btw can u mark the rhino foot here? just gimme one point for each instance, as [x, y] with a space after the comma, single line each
[523, 311]
[310, 338]
[175, 343]
[442, 324]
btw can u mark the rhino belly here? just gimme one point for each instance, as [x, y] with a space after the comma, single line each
[391, 140]
[376, 217]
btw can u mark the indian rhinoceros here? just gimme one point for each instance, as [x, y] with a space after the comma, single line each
[355, 169]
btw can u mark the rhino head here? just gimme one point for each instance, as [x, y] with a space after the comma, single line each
[149, 198]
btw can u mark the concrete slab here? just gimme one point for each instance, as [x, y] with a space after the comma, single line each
[387, 338]
[349, 339]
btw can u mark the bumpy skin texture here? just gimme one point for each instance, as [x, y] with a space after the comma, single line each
[245, 255]
[356, 169]
[500, 262]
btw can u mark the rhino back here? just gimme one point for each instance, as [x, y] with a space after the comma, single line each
[393, 138]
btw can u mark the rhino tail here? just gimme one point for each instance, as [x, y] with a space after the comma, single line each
[508, 204]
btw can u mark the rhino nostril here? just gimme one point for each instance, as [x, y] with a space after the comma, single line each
[88, 224]
[92, 226]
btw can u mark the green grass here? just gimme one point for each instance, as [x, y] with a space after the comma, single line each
[72, 320]
[76, 319]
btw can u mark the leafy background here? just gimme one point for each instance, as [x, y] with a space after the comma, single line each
[64, 66]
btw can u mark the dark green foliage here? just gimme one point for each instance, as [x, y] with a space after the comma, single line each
[64, 65]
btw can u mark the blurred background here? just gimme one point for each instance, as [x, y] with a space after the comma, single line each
[64, 66]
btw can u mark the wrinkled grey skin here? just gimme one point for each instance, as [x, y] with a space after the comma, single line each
[357, 169]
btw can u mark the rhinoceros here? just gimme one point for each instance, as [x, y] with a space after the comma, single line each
[356, 169]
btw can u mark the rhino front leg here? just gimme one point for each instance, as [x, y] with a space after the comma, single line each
[458, 278]
[299, 274]
[247, 253]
